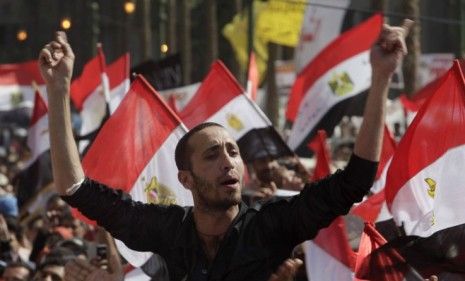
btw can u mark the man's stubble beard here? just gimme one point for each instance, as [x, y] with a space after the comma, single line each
[203, 187]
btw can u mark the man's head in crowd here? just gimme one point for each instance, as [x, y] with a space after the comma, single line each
[58, 213]
[17, 271]
[211, 166]
[52, 266]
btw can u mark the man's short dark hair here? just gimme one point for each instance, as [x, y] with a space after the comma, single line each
[182, 153]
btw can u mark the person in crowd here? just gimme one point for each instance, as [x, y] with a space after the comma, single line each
[219, 238]
[17, 271]
[52, 265]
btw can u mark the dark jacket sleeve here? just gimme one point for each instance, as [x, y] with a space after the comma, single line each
[301, 217]
[142, 227]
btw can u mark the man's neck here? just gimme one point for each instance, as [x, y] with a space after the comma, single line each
[211, 226]
[214, 222]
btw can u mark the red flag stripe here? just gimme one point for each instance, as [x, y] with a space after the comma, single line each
[40, 109]
[370, 208]
[318, 145]
[388, 149]
[118, 71]
[334, 241]
[20, 73]
[349, 44]
[219, 82]
[436, 128]
[143, 122]
[86, 84]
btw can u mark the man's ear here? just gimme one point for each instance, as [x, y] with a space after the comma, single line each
[185, 178]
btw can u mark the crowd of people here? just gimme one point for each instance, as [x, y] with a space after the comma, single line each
[227, 240]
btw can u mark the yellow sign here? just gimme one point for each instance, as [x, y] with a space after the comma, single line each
[280, 21]
[236, 33]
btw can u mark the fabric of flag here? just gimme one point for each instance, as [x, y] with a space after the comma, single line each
[335, 77]
[424, 182]
[181, 96]
[88, 91]
[441, 254]
[38, 136]
[16, 90]
[134, 151]
[321, 24]
[318, 145]
[389, 266]
[328, 256]
[221, 99]
[414, 103]
[36, 173]
[253, 78]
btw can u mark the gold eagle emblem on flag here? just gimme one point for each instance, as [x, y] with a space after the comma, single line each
[431, 186]
[16, 98]
[158, 193]
[341, 84]
[234, 122]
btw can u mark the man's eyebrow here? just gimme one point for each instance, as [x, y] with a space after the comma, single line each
[211, 148]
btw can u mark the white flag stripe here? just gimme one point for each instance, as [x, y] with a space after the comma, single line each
[321, 25]
[93, 110]
[105, 86]
[424, 209]
[23, 95]
[322, 266]
[237, 117]
[183, 94]
[380, 183]
[38, 139]
[384, 213]
[161, 166]
[319, 99]
[117, 94]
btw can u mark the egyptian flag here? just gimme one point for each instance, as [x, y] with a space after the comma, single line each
[181, 96]
[17, 93]
[374, 208]
[322, 23]
[137, 146]
[37, 170]
[424, 187]
[221, 99]
[319, 146]
[387, 265]
[98, 92]
[330, 86]
[328, 256]
[441, 254]
[38, 136]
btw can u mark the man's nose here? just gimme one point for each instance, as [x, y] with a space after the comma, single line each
[227, 162]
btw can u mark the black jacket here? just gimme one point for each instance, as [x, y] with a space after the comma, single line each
[257, 241]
